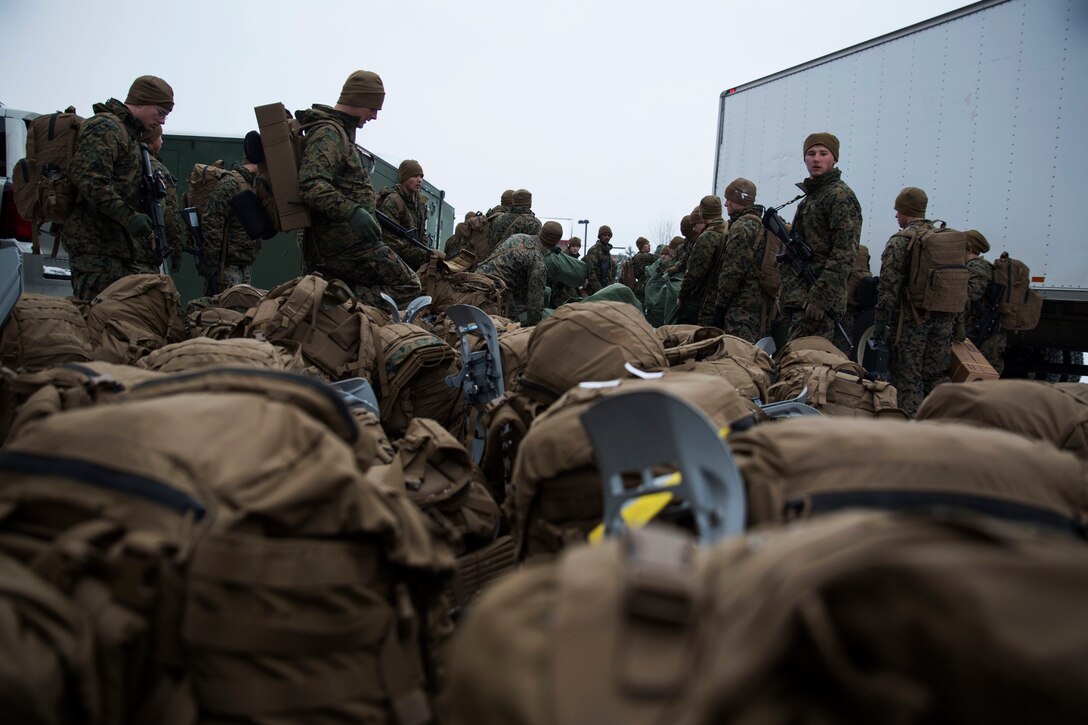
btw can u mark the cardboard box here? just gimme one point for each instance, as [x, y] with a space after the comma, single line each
[969, 365]
[281, 166]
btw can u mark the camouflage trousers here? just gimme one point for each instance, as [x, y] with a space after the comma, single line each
[230, 276]
[993, 347]
[921, 357]
[801, 325]
[414, 256]
[93, 273]
[371, 271]
[743, 322]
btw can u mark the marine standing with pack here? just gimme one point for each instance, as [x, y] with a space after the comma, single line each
[743, 310]
[699, 288]
[921, 344]
[519, 220]
[829, 222]
[108, 221]
[642, 259]
[978, 287]
[600, 270]
[149, 260]
[229, 252]
[345, 240]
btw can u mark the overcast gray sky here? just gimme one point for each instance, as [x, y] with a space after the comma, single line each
[606, 111]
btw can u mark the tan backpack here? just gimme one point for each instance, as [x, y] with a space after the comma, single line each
[325, 318]
[585, 341]
[1020, 306]
[768, 273]
[412, 365]
[838, 390]
[276, 583]
[133, 316]
[203, 352]
[936, 271]
[855, 617]
[1052, 412]
[447, 287]
[810, 466]
[43, 191]
[557, 498]
[43, 331]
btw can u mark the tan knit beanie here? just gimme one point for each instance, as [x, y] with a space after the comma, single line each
[363, 89]
[825, 139]
[710, 207]
[523, 197]
[408, 169]
[741, 191]
[150, 91]
[976, 243]
[912, 202]
[551, 233]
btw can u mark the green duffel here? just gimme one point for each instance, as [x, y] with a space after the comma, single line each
[565, 269]
[615, 293]
[660, 295]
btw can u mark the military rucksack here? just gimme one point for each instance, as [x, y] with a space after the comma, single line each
[836, 385]
[1020, 306]
[133, 316]
[935, 273]
[205, 352]
[411, 366]
[277, 150]
[43, 331]
[43, 191]
[856, 617]
[276, 582]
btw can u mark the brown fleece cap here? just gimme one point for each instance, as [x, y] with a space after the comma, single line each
[507, 198]
[685, 225]
[710, 206]
[695, 217]
[741, 191]
[823, 138]
[551, 233]
[523, 197]
[912, 202]
[363, 89]
[150, 91]
[640, 241]
[676, 242]
[409, 168]
[976, 242]
[605, 229]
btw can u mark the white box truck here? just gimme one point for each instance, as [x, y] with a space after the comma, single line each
[984, 107]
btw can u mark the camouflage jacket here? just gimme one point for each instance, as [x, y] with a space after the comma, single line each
[519, 220]
[219, 225]
[519, 262]
[333, 181]
[639, 263]
[411, 214]
[105, 169]
[699, 287]
[680, 256]
[829, 220]
[147, 255]
[738, 280]
[981, 273]
[890, 292]
[601, 271]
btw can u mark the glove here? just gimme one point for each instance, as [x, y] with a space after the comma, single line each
[139, 226]
[961, 330]
[880, 329]
[175, 263]
[814, 312]
[365, 226]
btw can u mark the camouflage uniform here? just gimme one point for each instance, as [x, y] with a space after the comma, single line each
[829, 220]
[519, 220]
[740, 297]
[639, 263]
[993, 347]
[334, 182]
[222, 269]
[922, 344]
[519, 262]
[857, 274]
[600, 270]
[145, 259]
[411, 214]
[105, 169]
[699, 288]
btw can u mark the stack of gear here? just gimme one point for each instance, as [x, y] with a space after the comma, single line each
[133, 316]
[707, 350]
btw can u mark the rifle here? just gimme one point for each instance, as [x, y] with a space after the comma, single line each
[409, 235]
[877, 359]
[153, 193]
[989, 319]
[191, 217]
[799, 255]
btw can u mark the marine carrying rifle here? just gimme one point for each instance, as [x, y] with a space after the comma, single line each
[154, 190]
[409, 235]
[799, 255]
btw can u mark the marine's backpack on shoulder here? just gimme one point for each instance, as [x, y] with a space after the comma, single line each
[275, 583]
[768, 274]
[1020, 306]
[936, 269]
[43, 190]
